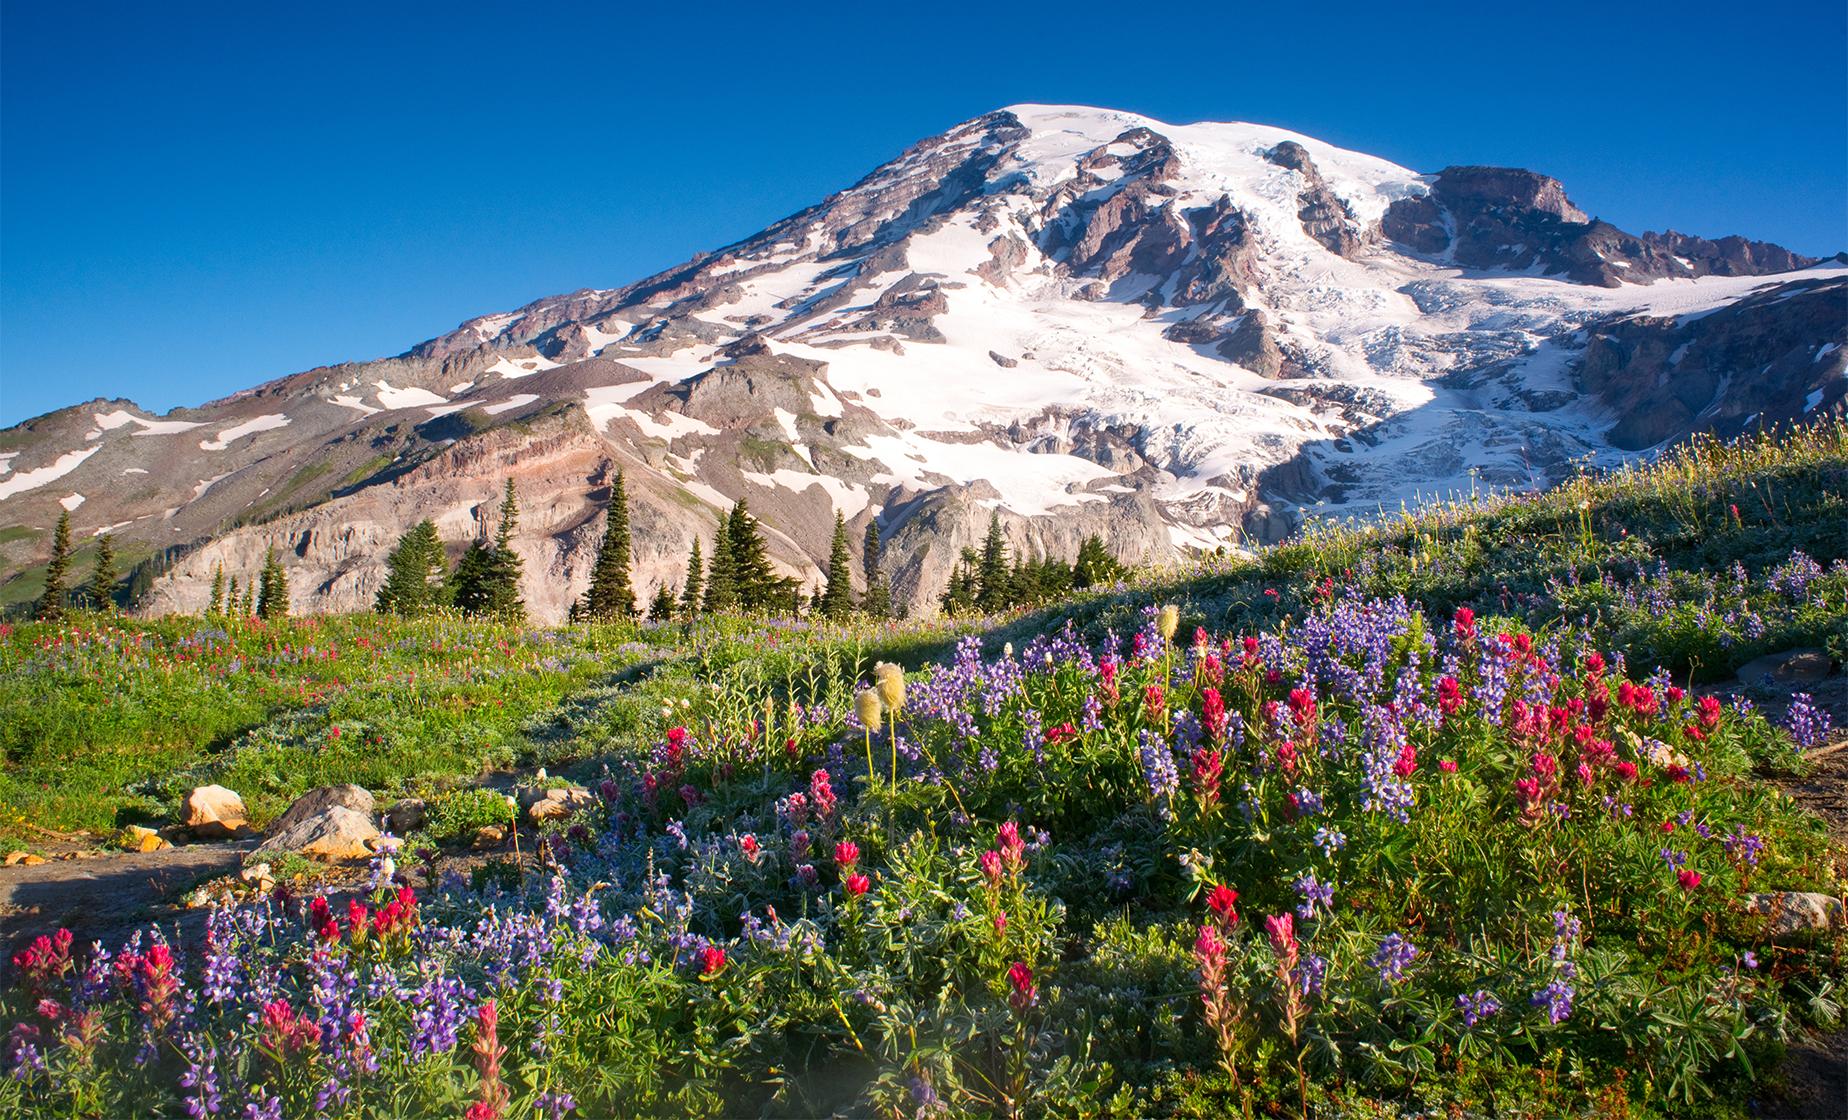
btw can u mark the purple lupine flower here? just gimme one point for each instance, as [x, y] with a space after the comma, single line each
[263, 1107]
[1392, 957]
[1330, 840]
[1478, 1006]
[1805, 721]
[555, 1104]
[1310, 973]
[1159, 770]
[1315, 895]
[1556, 998]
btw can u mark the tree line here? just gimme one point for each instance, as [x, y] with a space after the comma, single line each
[733, 574]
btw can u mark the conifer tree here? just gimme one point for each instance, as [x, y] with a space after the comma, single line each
[272, 589]
[103, 575]
[469, 586]
[664, 604]
[757, 585]
[992, 590]
[52, 603]
[231, 600]
[249, 607]
[1095, 566]
[218, 591]
[414, 575]
[696, 582]
[837, 600]
[611, 595]
[959, 597]
[721, 575]
[504, 567]
[877, 601]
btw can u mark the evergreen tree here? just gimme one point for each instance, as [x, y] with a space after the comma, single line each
[662, 607]
[757, 585]
[249, 606]
[103, 575]
[696, 580]
[272, 589]
[1095, 566]
[414, 573]
[992, 584]
[837, 600]
[51, 604]
[611, 594]
[231, 600]
[959, 598]
[721, 576]
[504, 568]
[218, 591]
[469, 586]
[878, 598]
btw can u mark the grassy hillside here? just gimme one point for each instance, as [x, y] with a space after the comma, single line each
[1417, 817]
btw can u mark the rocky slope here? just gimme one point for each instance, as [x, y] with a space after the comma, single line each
[1180, 337]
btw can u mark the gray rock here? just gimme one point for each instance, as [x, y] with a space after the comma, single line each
[1796, 912]
[335, 833]
[317, 801]
[406, 815]
[1793, 666]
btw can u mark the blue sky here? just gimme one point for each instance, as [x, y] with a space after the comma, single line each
[195, 198]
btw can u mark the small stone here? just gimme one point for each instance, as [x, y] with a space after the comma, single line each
[1795, 912]
[557, 804]
[490, 836]
[23, 859]
[255, 872]
[214, 813]
[136, 838]
[406, 815]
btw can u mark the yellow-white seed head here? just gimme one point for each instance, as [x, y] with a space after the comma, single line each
[868, 707]
[1168, 621]
[889, 679]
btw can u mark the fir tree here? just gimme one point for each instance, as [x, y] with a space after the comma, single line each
[218, 591]
[611, 594]
[272, 589]
[664, 604]
[51, 604]
[721, 577]
[877, 601]
[837, 600]
[103, 575]
[1095, 566]
[504, 568]
[414, 576]
[959, 597]
[696, 581]
[992, 583]
[757, 585]
[231, 599]
[469, 584]
[249, 607]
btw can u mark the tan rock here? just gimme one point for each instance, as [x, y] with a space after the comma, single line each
[317, 801]
[23, 859]
[213, 813]
[136, 838]
[490, 836]
[557, 804]
[1795, 912]
[337, 833]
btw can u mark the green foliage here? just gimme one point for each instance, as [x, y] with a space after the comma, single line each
[611, 594]
[837, 600]
[415, 573]
[877, 601]
[52, 601]
[455, 816]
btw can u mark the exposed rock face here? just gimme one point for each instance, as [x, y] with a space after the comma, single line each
[1796, 912]
[1506, 218]
[1663, 376]
[317, 801]
[1173, 336]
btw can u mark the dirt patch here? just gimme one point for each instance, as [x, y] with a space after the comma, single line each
[108, 895]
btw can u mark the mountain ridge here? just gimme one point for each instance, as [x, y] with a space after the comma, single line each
[1083, 320]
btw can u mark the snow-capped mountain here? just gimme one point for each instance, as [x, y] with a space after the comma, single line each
[1178, 336]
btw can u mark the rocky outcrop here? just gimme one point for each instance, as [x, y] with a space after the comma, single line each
[333, 834]
[1324, 216]
[1509, 219]
[1665, 377]
[213, 813]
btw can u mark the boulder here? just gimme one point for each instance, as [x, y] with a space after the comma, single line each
[23, 859]
[335, 833]
[406, 815]
[557, 804]
[213, 813]
[317, 801]
[1795, 912]
[1792, 666]
[489, 836]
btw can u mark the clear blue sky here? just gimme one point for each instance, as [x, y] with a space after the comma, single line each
[195, 197]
